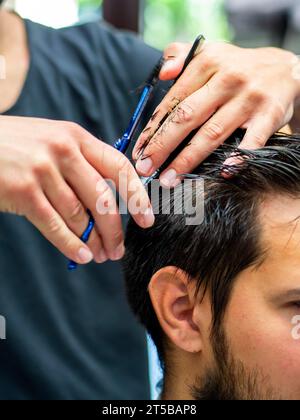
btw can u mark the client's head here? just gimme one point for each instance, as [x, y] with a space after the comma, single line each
[221, 299]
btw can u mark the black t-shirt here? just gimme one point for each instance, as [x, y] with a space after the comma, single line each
[71, 335]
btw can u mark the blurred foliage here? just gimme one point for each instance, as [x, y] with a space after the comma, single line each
[183, 20]
[89, 9]
[89, 3]
[171, 20]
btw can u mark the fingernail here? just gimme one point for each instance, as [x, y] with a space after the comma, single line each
[102, 257]
[149, 218]
[145, 166]
[168, 179]
[168, 65]
[231, 161]
[118, 253]
[85, 255]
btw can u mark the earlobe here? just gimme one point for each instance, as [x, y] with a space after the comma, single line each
[173, 299]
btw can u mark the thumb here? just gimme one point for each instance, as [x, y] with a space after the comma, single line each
[174, 55]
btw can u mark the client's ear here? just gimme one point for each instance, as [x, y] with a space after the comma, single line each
[173, 299]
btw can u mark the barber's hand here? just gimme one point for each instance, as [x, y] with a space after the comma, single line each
[223, 88]
[52, 172]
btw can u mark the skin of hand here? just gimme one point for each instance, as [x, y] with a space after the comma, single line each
[224, 88]
[52, 172]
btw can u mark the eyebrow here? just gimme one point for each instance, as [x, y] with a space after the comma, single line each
[286, 295]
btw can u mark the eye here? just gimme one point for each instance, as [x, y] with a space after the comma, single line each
[297, 304]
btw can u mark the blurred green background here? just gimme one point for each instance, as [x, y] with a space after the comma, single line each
[169, 20]
[165, 21]
[245, 22]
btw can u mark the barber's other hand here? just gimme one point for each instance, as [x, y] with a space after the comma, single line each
[52, 172]
[224, 88]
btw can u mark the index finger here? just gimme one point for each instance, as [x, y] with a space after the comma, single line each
[196, 75]
[115, 167]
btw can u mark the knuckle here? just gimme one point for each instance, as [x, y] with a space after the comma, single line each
[118, 237]
[157, 144]
[208, 61]
[104, 191]
[73, 129]
[26, 188]
[257, 95]
[236, 78]
[77, 212]
[42, 166]
[184, 113]
[205, 65]
[42, 210]
[245, 108]
[213, 130]
[123, 164]
[106, 201]
[224, 81]
[232, 80]
[67, 140]
[187, 161]
[62, 147]
[277, 112]
[209, 55]
[53, 226]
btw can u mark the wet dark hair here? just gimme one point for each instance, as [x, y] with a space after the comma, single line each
[214, 252]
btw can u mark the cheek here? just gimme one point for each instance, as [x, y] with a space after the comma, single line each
[263, 339]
